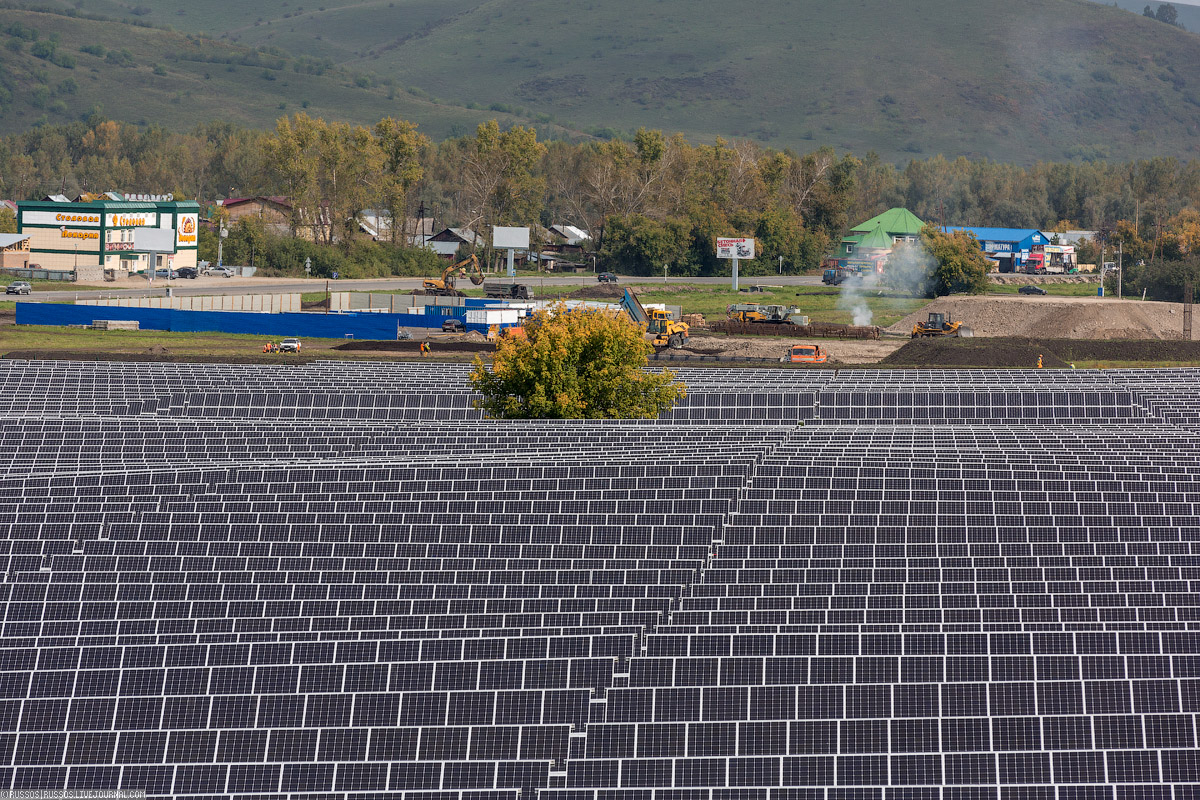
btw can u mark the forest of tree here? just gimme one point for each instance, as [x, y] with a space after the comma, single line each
[655, 202]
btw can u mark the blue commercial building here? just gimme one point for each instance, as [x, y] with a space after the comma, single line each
[1010, 247]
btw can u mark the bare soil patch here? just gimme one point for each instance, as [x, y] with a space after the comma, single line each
[413, 346]
[1056, 317]
[1023, 352]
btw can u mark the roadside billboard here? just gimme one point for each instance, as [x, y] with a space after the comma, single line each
[732, 247]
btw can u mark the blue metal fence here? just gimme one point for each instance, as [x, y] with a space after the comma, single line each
[330, 326]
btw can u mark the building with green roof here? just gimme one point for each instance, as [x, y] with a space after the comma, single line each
[88, 237]
[881, 232]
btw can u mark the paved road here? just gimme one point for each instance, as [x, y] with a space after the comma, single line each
[232, 286]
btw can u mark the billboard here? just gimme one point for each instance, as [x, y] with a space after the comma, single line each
[730, 247]
[157, 240]
[510, 238]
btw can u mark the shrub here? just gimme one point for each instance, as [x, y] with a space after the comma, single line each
[43, 49]
[575, 364]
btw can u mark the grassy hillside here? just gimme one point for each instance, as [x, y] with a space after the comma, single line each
[1019, 80]
[142, 74]
[1022, 80]
[1189, 15]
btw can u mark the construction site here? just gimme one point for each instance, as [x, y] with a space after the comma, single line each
[796, 325]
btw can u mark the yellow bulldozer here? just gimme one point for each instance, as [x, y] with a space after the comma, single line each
[941, 325]
[444, 286]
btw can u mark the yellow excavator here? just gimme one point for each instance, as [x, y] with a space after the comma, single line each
[444, 286]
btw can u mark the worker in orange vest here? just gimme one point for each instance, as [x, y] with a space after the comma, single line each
[1039, 360]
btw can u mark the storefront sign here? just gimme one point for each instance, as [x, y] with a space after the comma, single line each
[60, 218]
[66, 234]
[187, 230]
[128, 221]
[111, 246]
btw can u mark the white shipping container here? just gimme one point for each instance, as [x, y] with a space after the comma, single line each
[493, 316]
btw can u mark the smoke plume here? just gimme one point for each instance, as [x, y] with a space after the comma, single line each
[909, 270]
[854, 296]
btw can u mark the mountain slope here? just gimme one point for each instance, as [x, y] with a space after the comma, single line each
[147, 75]
[1022, 80]
[1189, 14]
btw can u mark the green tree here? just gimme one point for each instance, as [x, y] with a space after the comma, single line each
[958, 263]
[401, 147]
[643, 246]
[1167, 13]
[1162, 280]
[246, 242]
[495, 173]
[8, 221]
[288, 153]
[575, 364]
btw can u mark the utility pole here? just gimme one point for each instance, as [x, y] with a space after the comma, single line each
[1120, 270]
[1187, 311]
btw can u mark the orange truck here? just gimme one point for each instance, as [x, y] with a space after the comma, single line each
[807, 354]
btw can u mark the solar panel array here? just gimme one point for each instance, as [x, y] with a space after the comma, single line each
[213, 586]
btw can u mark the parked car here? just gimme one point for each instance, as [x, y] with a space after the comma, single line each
[289, 346]
[224, 272]
[1031, 289]
[18, 287]
[453, 326]
[187, 272]
[165, 273]
[606, 277]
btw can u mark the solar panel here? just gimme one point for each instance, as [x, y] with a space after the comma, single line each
[801, 584]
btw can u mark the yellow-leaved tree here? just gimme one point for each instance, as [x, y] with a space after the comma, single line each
[574, 364]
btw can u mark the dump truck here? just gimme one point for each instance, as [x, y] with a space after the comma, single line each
[662, 330]
[444, 286]
[806, 354]
[496, 333]
[509, 291]
[941, 325]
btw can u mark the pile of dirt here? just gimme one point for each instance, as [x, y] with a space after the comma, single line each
[1019, 279]
[601, 291]
[414, 346]
[157, 350]
[1010, 352]
[1136, 350]
[1023, 352]
[1056, 317]
[612, 291]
